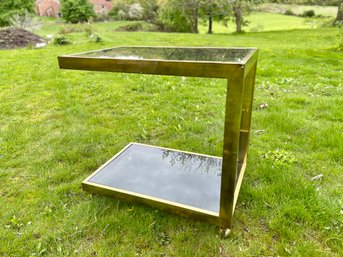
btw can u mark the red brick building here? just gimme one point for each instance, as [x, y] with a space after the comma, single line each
[53, 7]
[102, 7]
[48, 8]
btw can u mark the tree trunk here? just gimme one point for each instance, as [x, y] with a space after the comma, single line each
[339, 17]
[195, 20]
[238, 17]
[210, 24]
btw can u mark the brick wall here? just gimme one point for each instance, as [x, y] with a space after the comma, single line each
[48, 8]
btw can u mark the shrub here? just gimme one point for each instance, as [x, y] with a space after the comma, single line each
[309, 13]
[119, 11]
[69, 29]
[150, 10]
[76, 28]
[122, 15]
[101, 18]
[172, 19]
[95, 38]
[135, 12]
[25, 21]
[61, 40]
[289, 12]
[131, 27]
[88, 29]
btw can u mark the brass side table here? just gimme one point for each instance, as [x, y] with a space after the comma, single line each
[196, 185]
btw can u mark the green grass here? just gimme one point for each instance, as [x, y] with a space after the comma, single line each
[58, 126]
[263, 21]
[330, 11]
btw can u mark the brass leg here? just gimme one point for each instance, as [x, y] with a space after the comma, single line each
[246, 114]
[248, 97]
[233, 112]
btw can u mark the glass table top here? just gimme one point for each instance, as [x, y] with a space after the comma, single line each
[184, 178]
[172, 54]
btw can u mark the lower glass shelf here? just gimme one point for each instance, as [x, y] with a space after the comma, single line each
[168, 176]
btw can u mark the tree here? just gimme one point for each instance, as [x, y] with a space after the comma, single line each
[339, 3]
[120, 10]
[339, 16]
[135, 10]
[191, 8]
[9, 8]
[221, 10]
[150, 10]
[173, 17]
[211, 10]
[75, 11]
[179, 15]
[238, 14]
[239, 7]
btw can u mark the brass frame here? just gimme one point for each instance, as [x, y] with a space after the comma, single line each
[240, 90]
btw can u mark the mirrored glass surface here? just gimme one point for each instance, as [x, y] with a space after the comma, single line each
[173, 54]
[179, 177]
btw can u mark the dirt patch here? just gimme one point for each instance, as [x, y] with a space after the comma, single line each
[11, 38]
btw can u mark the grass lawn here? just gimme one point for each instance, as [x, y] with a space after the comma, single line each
[263, 21]
[330, 11]
[58, 126]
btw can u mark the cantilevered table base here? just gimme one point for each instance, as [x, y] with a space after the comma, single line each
[195, 185]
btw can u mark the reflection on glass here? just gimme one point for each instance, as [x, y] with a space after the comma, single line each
[192, 162]
[183, 178]
[176, 54]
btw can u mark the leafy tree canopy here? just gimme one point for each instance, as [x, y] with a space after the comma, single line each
[174, 17]
[8, 8]
[135, 10]
[218, 10]
[75, 11]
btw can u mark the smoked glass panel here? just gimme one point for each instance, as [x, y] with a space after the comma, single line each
[173, 54]
[183, 178]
